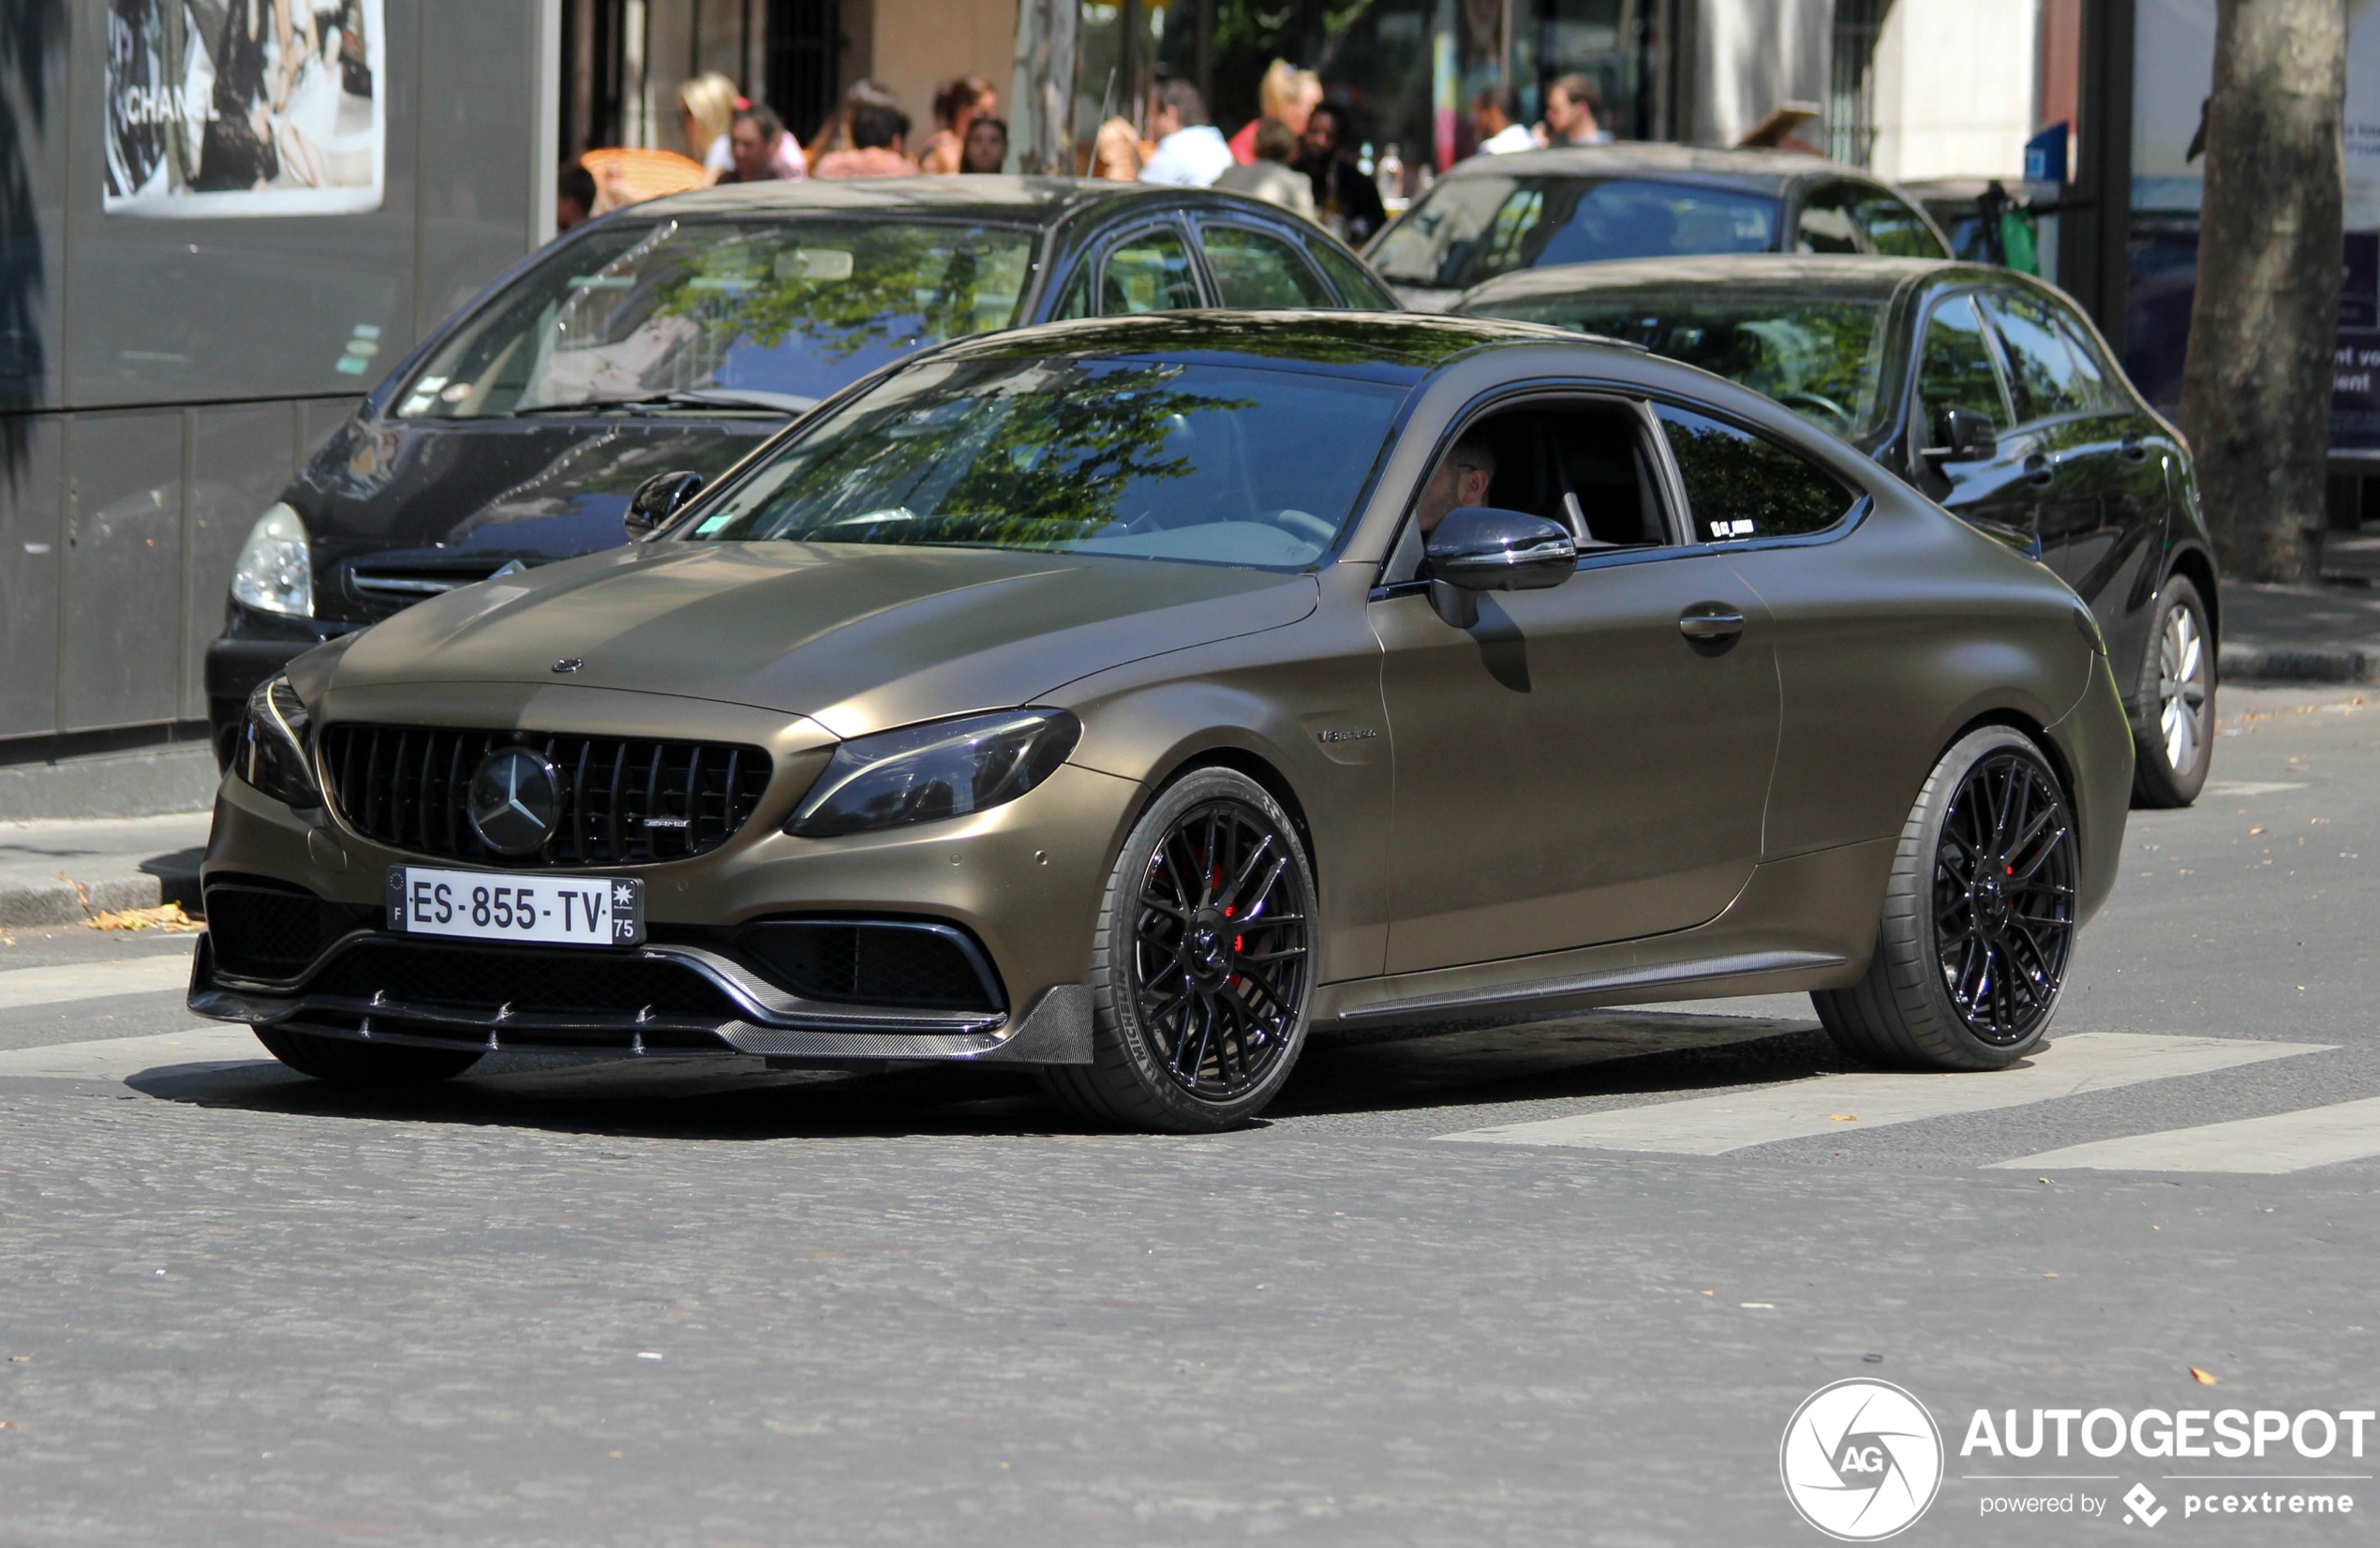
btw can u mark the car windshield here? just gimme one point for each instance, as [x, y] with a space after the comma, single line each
[1211, 464]
[1474, 228]
[763, 311]
[1820, 358]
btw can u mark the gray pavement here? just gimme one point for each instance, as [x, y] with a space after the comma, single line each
[61, 872]
[573, 1302]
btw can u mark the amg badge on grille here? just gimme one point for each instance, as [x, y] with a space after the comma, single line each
[515, 798]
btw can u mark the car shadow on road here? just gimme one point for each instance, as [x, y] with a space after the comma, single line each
[1442, 1067]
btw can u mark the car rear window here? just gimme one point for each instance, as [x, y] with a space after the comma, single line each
[1474, 228]
[1820, 358]
[1135, 458]
[792, 307]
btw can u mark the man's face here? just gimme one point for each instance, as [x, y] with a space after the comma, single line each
[1490, 119]
[1566, 118]
[1163, 121]
[1456, 484]
[1321, 137]
[751, 152]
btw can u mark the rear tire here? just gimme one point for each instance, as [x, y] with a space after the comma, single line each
[1202, 965]
[2172, 732]
[1979, 917]
[343, 1063]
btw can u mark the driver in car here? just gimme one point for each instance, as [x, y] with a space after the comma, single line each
[1461, 479]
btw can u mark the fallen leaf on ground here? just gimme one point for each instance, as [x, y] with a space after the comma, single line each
[2203, 1377]
[1844, 1117]
[166, 916]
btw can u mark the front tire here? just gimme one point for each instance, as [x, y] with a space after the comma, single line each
[1979, 917]
[2174, 730]
[1202, 966]
[342, 1063]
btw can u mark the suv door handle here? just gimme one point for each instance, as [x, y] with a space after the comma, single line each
[1710, 621]
[2134, 447]
[2038, 471]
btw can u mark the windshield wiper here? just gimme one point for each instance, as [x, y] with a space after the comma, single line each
[706, 397]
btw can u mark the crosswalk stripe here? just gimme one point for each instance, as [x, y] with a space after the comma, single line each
[117, 1058]
[50, 986]
[2283, 1142]
[1843, 1104]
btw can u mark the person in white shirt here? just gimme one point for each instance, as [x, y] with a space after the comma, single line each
[1191, 153]
[1492, 116]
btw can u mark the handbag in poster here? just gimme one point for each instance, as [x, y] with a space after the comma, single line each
[232, 108]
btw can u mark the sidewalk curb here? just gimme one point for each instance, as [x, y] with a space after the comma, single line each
[2288, 664]
[68, 901]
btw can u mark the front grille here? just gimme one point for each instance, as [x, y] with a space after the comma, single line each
[403, 584]
[272, 933]
[891, 964]
[623, 802]
[531, 982]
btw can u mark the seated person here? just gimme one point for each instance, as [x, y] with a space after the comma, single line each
[1461, 479]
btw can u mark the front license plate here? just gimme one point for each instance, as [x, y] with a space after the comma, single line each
[565, 911]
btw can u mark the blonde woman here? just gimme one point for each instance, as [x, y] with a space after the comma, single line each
[1115, 152]
[1288, 95]
[705, 111]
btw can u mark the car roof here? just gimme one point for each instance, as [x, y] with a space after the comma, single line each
[1395, 347]
[1766, 172]
[1036, 200]
[1847, 276]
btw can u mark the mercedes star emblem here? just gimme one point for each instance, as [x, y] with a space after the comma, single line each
[515, 796]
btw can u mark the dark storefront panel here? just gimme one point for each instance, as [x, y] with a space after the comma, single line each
[123, 637]
[31, 546]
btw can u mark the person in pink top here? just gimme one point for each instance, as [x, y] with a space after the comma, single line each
[1286, 95]
[877, 136]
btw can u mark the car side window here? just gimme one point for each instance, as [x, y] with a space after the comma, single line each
[2091, 366]
[1077, 303]
[1742, 486]
[1254, 270]
[1148, 272]
[1356, 288]
[1824, 225]
[2044, 377]
[1955, 370]
[1584, 466]
[1893, 229]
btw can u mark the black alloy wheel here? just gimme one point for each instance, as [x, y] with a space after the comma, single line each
[1204, 964]
[2004, 897]
[1979, 918]
[1220, 949]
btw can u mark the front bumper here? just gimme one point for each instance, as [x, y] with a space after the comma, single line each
[1021, 881]
[748, 1014]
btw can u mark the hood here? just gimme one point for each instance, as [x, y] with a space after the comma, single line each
[857, 637]
[389, 501]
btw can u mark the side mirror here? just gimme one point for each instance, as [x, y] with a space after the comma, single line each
[1962, 434]
[1479, 548]
[657, 499]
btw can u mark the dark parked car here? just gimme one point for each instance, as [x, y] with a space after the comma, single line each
[677, 335]
[1991, 393]
[1121, 699]
[1493, 214]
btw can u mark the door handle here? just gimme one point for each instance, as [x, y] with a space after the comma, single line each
[2038, 471]
[2134, 447]
[1710, 621]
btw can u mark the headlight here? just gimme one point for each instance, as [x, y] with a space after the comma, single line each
[276, 746]
[945, 769]
[275, 572]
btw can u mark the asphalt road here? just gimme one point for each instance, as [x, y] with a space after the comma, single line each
[704, 1304]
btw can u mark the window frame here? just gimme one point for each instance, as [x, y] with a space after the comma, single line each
[1865, 190]
[1404, 554]
[1813, 193]
[1235, 222]
[1094, 262]
[1862, 500]
[2057, 314]
[1915, 413]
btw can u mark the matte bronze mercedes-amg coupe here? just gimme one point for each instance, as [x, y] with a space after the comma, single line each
[1127, 698]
